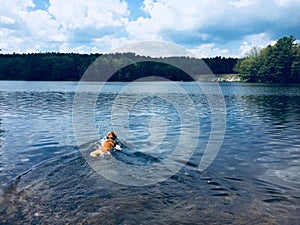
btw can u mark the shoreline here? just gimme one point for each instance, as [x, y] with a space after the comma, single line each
[227, 78]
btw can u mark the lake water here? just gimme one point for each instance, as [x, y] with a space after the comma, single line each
[48, 129]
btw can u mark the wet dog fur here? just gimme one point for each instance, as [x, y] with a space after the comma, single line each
[107, 146]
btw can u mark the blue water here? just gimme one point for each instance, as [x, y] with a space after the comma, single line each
[47, 176]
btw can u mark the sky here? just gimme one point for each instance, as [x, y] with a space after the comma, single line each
[207, 28]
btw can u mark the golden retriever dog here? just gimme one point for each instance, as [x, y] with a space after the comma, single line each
[107, 146]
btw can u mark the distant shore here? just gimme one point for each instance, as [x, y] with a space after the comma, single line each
[227, 78]
[121, 67]
[199, 78]
[219, 78]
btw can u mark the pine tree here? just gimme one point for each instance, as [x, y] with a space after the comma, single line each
[274, 64]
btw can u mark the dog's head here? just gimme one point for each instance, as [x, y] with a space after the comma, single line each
[111, 135]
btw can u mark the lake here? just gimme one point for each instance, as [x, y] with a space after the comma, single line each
[192, 153]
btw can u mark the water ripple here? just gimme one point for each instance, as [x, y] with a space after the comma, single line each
[45, 178]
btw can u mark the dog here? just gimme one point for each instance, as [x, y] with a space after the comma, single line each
[107, 146]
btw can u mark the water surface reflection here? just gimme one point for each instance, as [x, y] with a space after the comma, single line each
[44, 178]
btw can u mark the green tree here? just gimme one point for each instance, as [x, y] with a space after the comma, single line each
[274, 64]
[248, 68]
[284, 56]
[267, 64]
[295, 69]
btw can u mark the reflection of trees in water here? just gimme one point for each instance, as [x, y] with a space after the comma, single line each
[277, 108]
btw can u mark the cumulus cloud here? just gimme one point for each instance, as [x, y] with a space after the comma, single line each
[208, 50]
[166, 15]
[213, 16]
[212, 27]
[64, 25]
[6, 20]
[286, 3]
[207, 27]
[260, 41]
[93, 13]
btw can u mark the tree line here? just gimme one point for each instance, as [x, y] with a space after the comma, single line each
[279, 63]
[72, 66]
[44, 66]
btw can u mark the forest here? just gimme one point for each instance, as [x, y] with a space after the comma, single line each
[72, 66]
[279, 63]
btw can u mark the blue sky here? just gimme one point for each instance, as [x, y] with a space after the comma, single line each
[207, 28]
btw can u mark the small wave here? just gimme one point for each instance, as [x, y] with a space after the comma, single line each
[233, 179]
[276, 199]
[25, 195]
[44, 166]
[136, 158]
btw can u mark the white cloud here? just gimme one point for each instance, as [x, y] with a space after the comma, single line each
[236, 49]
[111, 43]
[257, 40]
[143, 29]
[165, 16]
[11, 9]
[7, 34]
[65, 48]
[103, 44]
[174, 15]
[41, 26]
[209, 50]
[26, 28]
[241, 3]
[208, 27]
[155, 49]
[6, 20]
[93, 13]
[286, 3]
